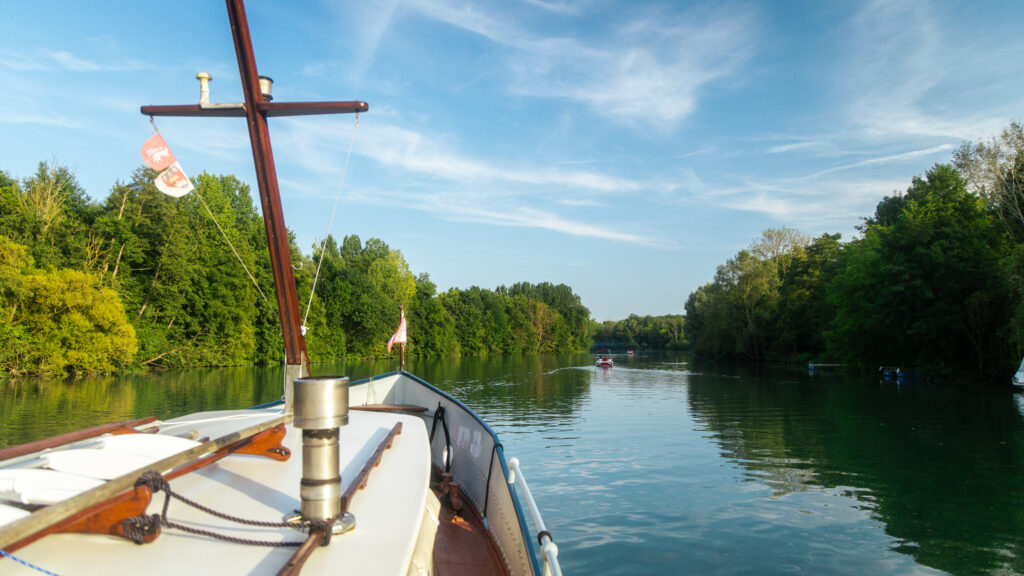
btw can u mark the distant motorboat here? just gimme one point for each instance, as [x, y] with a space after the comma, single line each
[604, 358]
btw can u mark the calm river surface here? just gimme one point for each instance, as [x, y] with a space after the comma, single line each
[665, 465]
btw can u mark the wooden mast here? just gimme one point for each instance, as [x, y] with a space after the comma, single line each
[256, 111]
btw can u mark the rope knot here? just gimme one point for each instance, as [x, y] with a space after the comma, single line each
[325, 526]
[154, 480]
[137, 528]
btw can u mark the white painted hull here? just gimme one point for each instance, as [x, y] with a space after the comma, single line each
[396, 514]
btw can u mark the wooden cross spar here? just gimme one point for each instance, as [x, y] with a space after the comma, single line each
[256, 110]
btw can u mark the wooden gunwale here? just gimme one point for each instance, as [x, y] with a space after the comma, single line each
[372, 462]
[15, 534]
[294, 565]
[126, 427]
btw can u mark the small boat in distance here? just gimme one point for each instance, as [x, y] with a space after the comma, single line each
[604, 358]
[1018, 378]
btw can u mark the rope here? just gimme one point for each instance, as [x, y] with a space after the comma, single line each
[439, 415]
[228, 240]
[330, 223]
[137, 528]
[5, 554]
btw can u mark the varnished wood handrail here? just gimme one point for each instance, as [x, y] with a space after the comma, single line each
[389, 408]
[372, 462]
[294, 565]
[44, 518]
[125, 427]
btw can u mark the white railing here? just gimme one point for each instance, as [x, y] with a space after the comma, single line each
[548, 549]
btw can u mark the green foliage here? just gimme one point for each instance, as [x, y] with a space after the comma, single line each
[176, 271]
[525, 318]
[50, 214]
[645, 332]
[934, 276]
[739, 314]
[805, 312]
[58, 321]
[928, 286]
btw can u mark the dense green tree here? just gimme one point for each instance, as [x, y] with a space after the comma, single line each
[805, 312]
[645, 332]
[58, 321]
[574, 328]
[738, 315]
[431, 327]
[193, 277]
[50, 214]
[929, 289]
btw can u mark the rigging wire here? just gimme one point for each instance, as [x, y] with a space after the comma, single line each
[330, 223]
[226, 239]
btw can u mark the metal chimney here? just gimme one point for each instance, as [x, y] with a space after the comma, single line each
[204, 88]
[267, 87]
[321, 408]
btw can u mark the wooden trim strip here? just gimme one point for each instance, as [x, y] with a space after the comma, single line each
[372, 462]
[126, 427]
[294, 565]
[47, 518]
[389, 408]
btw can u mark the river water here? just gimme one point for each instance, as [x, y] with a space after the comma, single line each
[666, 465]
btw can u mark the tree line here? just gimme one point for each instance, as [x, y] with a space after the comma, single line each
[143, 280]
[933, 282]
[646, 332]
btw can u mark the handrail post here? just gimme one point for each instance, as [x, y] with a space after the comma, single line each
[547, 545]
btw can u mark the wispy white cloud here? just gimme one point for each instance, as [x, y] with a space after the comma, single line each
[897, 71]
[885, 159]
[374, 19]
[583, 202]
[319, 145]
[783, 148]
[812, 206]
[533, 218]
[454, 187]
[209, 141]
[648, 71]
[502, 209]
[46, 60]
[41, 119]
[563, 8]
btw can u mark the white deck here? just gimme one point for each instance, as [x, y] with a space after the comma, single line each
[389, 511]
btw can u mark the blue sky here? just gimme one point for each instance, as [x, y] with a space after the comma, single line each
[623, 148]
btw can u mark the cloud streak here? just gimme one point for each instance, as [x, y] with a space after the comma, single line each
[648, 71]
[885, 159]
[469, 190]
[45, 60]
[414, 152]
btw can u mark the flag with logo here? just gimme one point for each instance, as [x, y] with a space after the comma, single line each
[172, 180]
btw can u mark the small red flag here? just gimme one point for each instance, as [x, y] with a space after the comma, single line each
[399, 336]
[156, 154]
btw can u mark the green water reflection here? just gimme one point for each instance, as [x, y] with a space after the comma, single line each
[942, 467]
